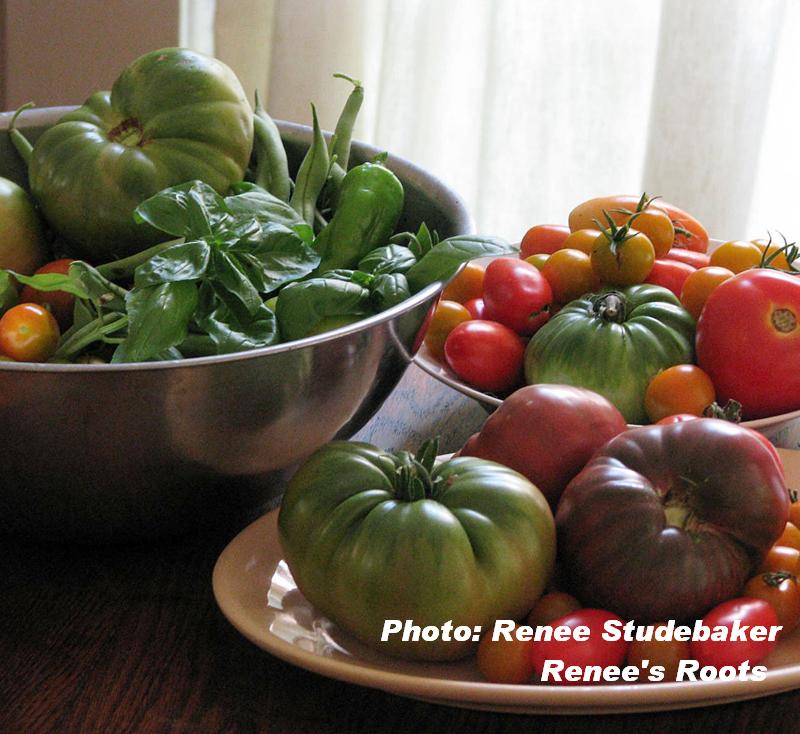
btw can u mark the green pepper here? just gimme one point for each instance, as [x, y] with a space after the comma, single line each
[370, 204]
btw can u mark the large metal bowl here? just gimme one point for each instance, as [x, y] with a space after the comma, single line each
[113, 452]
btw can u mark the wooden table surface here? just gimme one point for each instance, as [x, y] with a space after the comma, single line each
[129, 639]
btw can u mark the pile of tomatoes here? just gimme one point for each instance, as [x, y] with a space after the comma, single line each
[30, 330]
[487, 314]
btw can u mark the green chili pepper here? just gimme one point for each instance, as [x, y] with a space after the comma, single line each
[311, 176]
[272, 168]
[370, 204]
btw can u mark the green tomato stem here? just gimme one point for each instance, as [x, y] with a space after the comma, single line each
[93, 331]
[18, 140]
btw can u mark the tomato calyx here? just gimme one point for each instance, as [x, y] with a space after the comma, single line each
[617, 235]
[731, 411]
[129, 133]
[611, 306]
[776, 578]
[413, 478]
[789, 250]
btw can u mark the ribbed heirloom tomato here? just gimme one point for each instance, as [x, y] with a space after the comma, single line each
[748, 341]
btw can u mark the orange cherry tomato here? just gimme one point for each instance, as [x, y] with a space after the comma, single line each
[698, 286]
[736, 255]
[538, 260]
[551, 606]
[684, 388]
[581, 239]
[666, 653]
[771, 248]
[446, 317]
[546, 238]
[570, 275]
[790, 537]
[28, 333]
[794, 509]
[781, 591]
[658, 227]
[505, 661]
[781, 558]
[468, 284]
[59, 303]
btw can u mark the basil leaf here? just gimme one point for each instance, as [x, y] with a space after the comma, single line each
[158, 319]
[253, 201]
[185, 261]
[443, 260]
[232, 284]
[192, 209]
[387, 259]
[52, 282]
[389, 289]
[230, 334]
[279, 254]
[303, 307]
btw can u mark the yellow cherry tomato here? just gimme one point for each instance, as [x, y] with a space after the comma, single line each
[446, 317]
[684, 388]
[736, 255]
[538, 260]
[698, 286]
[581, 239]
[570, 275]
[658, 227]
[468, 284]
[631, 263]
[771, 248]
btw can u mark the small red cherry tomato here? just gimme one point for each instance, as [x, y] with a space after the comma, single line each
[476, 308]
[485, 354]
[59, 303]
[516, 294]
[545, 238]
[690, 257]
[28, 333]
[748, 611]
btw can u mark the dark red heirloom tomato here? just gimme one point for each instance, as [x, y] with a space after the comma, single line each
[547, 433]
[515, 293]
[667, 521]
[748, 341]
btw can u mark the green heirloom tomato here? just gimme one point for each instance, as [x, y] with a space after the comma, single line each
[614, 343]
[172, 116]
[370, 536]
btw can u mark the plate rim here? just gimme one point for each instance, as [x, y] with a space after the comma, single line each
[509, 698]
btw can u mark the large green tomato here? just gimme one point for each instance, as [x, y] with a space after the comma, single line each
[370, 536]
[614, 343]
[172, 116]
[22, 244]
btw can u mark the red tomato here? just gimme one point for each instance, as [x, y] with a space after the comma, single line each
[694, 235]
[690, 257]
[545, 238]
[749, 611]
[476, 308]
[593, 651]
[748, 341]
[515, 293]
[28, 333]
[504, 661]
[670, 274]
[59, 303]
[485, 354]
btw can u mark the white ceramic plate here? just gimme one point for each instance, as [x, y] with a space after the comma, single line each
[256, 592]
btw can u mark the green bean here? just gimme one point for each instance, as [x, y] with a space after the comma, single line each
[312, 175]
[343, 136]
[272, 167]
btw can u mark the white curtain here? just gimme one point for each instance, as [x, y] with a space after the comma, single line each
[527, 107]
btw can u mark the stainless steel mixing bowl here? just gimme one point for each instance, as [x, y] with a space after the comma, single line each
[114, 452]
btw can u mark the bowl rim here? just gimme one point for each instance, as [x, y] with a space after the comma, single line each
[443, 194]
